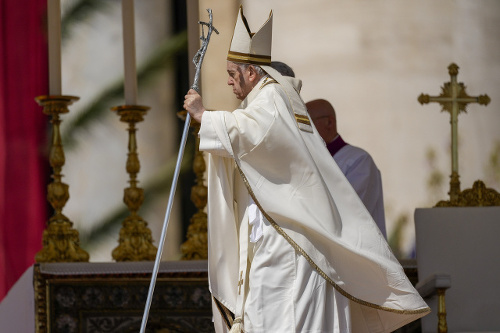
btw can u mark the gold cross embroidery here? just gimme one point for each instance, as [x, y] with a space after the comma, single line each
[240, 283]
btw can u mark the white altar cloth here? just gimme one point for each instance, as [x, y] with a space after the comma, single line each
[462, 242]
[17, 310]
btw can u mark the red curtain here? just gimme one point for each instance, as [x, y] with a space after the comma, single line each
[23, 131]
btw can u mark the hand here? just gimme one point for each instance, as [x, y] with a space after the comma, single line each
[194, 105]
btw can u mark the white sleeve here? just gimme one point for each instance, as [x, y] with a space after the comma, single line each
[209, 140]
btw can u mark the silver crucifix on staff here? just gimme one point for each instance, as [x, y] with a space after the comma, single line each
[197, 60]
[454, 100]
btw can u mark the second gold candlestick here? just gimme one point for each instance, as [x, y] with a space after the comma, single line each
[135, 242]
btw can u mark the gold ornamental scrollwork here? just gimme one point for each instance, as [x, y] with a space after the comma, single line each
[478, 196]
[60, 241]
[135, 240]
[41, 311]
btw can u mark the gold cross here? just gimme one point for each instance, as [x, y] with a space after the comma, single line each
[454, 100]
[240, 283]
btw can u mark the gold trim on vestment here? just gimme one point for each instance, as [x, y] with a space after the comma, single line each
[226, 314]
[306, 126]
[302, 119]
[267, 81]
[248, 58]
[313, 264]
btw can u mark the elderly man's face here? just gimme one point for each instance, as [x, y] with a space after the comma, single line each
[239, 80]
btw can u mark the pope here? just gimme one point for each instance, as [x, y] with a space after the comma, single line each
[291, 246]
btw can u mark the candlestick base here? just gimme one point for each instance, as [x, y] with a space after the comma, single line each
[60, 240]
[477, 196]
[135, 242]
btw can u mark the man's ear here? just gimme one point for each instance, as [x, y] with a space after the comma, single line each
[252, 73]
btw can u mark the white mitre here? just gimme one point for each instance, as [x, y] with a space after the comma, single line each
[251, 48]
[255, 48]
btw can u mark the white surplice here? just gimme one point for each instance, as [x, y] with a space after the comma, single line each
[321, 258]
[364, 176]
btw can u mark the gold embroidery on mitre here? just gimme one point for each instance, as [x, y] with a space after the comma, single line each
[313, 264]
[247, 58]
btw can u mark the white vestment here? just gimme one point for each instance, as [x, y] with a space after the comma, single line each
[364, 176]
[259, 151]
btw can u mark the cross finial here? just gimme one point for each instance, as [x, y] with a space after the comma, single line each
[198, 57]
[454, 99]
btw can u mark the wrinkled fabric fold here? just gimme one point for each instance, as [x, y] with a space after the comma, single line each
[289, 174]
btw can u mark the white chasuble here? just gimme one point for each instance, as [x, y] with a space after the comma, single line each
[317, 234]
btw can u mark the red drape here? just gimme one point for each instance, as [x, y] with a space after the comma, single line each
[23, 129]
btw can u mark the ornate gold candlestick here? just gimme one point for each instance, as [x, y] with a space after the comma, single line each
[136, 242]
[196, 246]
[60, 240]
